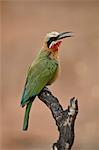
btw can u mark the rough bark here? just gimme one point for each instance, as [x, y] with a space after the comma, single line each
[65, 119]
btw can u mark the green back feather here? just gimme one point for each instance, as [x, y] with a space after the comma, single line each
[40, 73]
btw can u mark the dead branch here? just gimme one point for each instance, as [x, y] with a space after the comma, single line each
[65, 119]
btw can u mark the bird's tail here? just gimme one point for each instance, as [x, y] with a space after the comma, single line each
[26, 116]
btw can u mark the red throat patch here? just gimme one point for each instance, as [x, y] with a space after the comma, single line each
[56, 46]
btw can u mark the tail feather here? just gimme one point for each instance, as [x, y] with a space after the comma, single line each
[27, 112]
[26, 116]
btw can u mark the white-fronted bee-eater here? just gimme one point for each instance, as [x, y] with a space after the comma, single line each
[43, 71]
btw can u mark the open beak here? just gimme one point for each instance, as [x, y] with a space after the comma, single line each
[64, 35]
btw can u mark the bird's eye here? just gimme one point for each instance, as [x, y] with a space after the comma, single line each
[51, 40]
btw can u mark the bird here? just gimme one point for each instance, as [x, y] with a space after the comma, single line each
[43, 71]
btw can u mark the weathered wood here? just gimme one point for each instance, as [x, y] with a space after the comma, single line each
[65, 119]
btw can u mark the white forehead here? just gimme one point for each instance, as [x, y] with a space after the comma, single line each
[52, 34]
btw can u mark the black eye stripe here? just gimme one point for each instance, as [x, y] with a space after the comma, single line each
[51, 40]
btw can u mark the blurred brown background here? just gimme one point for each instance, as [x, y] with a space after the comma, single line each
[24, 25]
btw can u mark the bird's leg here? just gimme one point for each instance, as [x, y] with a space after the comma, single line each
[65, 119]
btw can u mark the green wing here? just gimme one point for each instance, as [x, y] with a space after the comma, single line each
[39, 74]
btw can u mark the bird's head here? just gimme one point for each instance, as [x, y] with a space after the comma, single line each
[54, 39]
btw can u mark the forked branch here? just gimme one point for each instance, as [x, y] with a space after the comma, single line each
[65, 119]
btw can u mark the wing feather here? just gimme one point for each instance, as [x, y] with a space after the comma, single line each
[39, 75]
